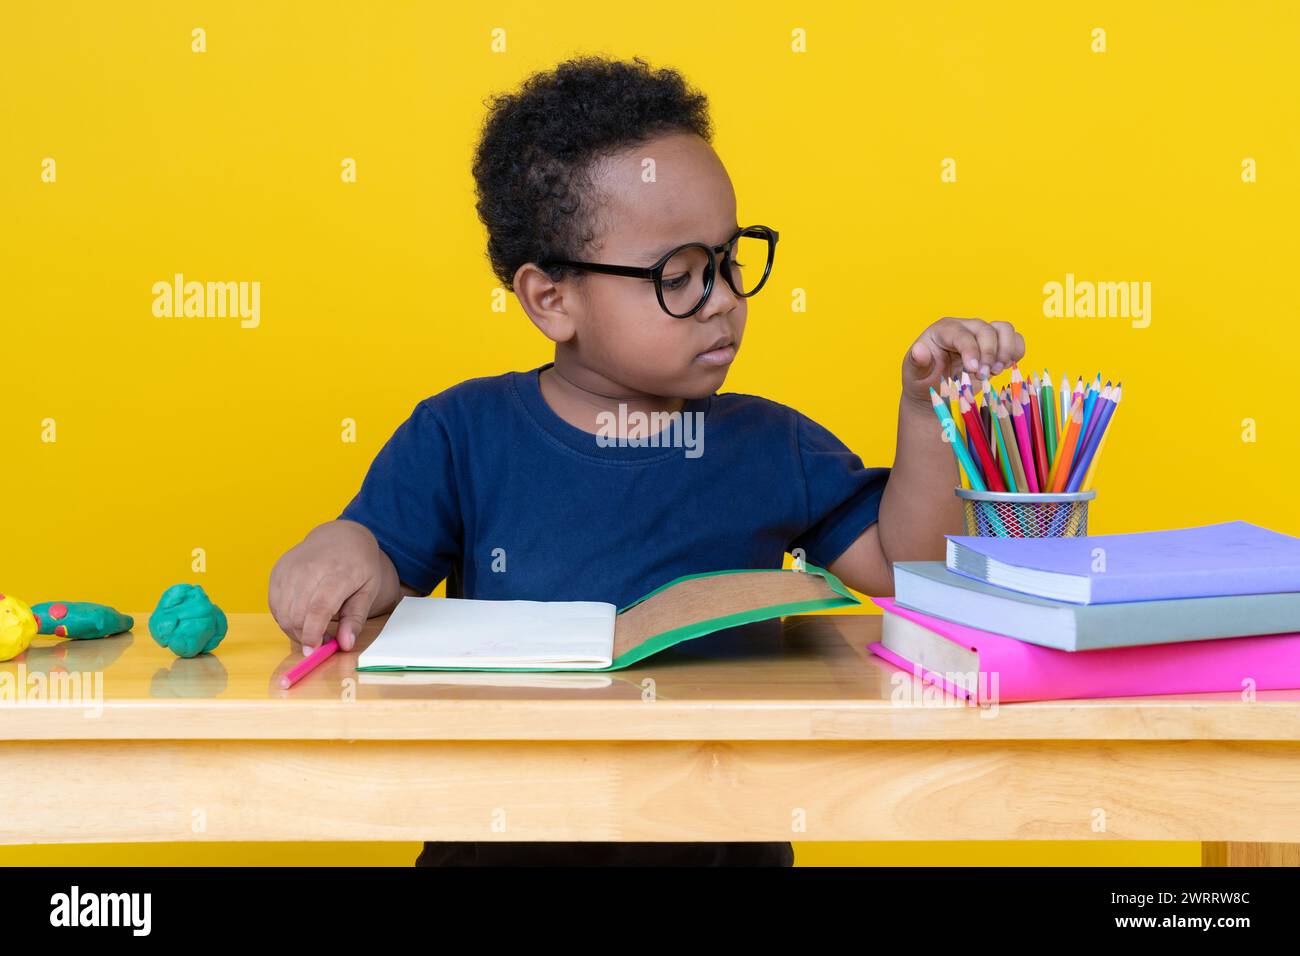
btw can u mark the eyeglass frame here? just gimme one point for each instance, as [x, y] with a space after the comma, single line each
[656, 271]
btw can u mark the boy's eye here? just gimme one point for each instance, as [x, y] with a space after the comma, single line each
[676, 282]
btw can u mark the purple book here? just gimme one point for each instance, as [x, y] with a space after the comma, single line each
[1216, 560]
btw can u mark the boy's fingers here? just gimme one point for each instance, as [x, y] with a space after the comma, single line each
[352, 618]
[275, 600]
[988, 345]
[922, 357]
[927, 360]
[294, 613]
[330, 593]
[1007, 336]
[958, 338]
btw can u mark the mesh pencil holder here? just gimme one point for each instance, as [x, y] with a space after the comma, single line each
[1000, 514]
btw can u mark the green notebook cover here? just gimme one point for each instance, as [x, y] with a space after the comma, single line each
[695, 605]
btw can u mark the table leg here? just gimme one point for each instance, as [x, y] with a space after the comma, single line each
[1250, 854]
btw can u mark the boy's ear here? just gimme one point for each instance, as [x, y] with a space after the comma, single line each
[544, 302]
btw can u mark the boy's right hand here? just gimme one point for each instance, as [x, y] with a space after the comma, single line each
[336, 571]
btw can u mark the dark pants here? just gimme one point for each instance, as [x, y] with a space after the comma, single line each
[606, 854]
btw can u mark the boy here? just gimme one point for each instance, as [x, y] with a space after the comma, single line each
[510, 487]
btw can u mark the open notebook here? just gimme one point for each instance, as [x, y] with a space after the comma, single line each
[459, 634]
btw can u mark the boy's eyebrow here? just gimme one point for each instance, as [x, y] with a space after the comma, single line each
[662, 251]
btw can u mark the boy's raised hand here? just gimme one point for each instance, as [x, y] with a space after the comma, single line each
[952, 346]
[334, 571]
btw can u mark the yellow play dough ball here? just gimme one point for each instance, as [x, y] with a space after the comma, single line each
[17, 627]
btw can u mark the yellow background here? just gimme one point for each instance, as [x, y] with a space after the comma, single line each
[175, 434]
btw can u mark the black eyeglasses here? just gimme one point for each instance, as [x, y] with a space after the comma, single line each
[683, 278]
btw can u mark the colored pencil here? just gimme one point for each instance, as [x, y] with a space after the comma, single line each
[951, 398]
[312, 661]
[1089, 452]
[1090, 395]
[1017, 382]
[1064, 418]
[1005, 404]
[1076, 391]
[1039, 434]
[1090, 426]
[954, 394]
[1029, 409]
[1004, 461]
[1028, 402]
[959, 427]
[1061, 470]
[982, 426]
[991, 475]
[1020, 424]
[986, 419]
[1092, 467]
[949, 425]
[1062, 425]
[1049, 416]
[970, 442]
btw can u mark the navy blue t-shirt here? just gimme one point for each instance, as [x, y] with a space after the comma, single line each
[486, 486]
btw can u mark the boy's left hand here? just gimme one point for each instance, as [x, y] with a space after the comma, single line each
[952, 346]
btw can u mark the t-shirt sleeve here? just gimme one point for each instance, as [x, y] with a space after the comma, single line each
[843, 496]
[408, 501]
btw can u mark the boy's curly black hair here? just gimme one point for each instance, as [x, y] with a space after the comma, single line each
[533, 165]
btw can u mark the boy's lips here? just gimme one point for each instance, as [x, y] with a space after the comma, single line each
[720, 353]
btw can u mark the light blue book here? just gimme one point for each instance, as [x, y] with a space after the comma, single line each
[1211, 561]
[929, 587]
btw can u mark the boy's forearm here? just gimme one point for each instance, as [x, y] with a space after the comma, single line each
[918, 507]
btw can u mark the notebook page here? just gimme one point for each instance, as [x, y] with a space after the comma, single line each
[457, 632]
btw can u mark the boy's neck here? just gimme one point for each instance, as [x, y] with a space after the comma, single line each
[581, 397]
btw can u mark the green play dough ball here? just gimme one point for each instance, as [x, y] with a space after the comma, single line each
[186, 622]
[80, 620]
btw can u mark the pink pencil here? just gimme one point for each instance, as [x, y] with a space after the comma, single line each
[1020, 421]
[314, 660]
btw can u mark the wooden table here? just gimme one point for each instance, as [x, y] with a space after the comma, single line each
[780, 731]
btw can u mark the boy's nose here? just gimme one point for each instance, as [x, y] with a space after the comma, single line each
[721, 301]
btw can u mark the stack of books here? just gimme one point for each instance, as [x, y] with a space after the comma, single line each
[1194, 610]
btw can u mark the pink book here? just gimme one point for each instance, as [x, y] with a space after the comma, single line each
[990, 667]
